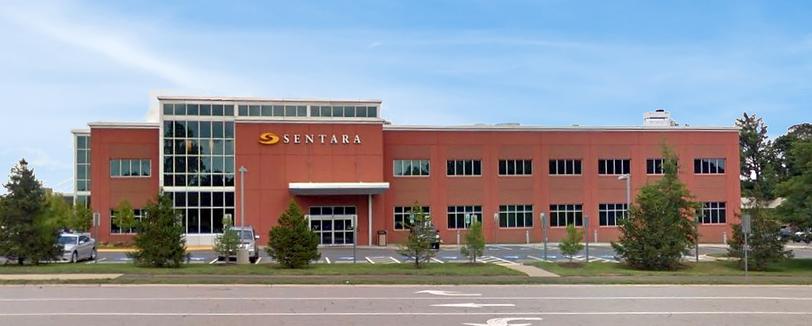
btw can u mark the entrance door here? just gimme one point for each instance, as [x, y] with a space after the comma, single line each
[333, 224]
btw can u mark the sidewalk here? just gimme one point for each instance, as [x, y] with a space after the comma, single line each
[57, 277]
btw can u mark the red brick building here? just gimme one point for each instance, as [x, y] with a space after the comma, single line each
[346, 166]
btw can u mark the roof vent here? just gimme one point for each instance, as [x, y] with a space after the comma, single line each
[658, 118]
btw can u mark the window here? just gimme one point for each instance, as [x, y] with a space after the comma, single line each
[403, 216]
[204, 211]
[410, 168]
[464, 167]
[515, 167]
[709, 166]
[139, 215]
[713, 213]
[613, 167]
[457, 214]
[565, 167]
[654, 166]
[611, 214]
[515, 216]
[344, 111]
[563, 215]
[130, 168]
[82, 163]
[183, 109]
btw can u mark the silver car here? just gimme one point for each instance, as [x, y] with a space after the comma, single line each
[77, 246]
[248, 240]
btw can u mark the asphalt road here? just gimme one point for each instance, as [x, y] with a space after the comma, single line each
[203, 305]
[515, 253]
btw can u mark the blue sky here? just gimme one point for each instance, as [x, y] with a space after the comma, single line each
[551, 63]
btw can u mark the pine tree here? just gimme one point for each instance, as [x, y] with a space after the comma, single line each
[571, 244]
[160, 242]
[227, 243]
[25, 233]
[474, 242]
[765, 246]
[292, 243]
[661, 227]
[421, 235]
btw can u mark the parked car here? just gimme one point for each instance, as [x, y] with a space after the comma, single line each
[77, 246]
[785, 233]
[248, 240]
[802, 235]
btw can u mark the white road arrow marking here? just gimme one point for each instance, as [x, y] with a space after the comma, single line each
[504, 322]
[449, 293]
[473, 305]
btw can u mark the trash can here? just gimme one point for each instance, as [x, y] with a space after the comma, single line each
[381, 238]
[242, 256]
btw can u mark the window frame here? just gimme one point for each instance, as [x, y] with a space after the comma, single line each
[617, 208]
[400, 163]
[526, 164]
[577, 211]
[454, 209]
[140, 164]
[463, 164]
[721, 213]
[610, 166]
[405, 212]
[653, 162]
[700, 167]
[555, 162]
[516, 210]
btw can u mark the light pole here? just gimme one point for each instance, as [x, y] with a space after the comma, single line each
[586, 236]
[628, 179]
[242, 195]
[544, 230]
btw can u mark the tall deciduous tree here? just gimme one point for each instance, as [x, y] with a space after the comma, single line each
[418, 245]
[25, 233]
[292, 243]
[785, 161]
[661, 227]
[797, 190]
[758, 173]
[160, 242]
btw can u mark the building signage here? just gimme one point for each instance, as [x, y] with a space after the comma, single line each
[269, 138]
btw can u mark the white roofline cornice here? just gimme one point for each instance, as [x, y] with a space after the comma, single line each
[262, 99]
[125, 125]
[516, 128]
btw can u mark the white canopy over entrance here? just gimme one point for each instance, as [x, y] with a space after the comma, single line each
[337, 188]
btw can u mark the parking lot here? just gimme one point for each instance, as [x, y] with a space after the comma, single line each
[493, 253]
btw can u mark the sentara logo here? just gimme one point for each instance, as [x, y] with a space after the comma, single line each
[268, 138]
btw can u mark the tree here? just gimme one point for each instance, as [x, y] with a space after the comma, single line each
[81, 218]
[25, 232]
[758, 173]
[661, 227]
[57, 213]
[474, 242]
[125, 216]
[571, 244]
[797, 189]
[160, 242]
[785, 161]
[292, 243]
[421, 235]
[765, 245]
[227, 243]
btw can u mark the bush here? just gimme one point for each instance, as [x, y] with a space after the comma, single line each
[474, 242]
[421, 235]
[571, 244]
[292, 243]
[160, 242]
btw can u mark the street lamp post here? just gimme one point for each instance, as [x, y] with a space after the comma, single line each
[628, 179]
[544, 230]
[586, 236]
[242, 195]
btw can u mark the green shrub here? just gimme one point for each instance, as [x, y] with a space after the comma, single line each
[571, 244]
[474, 242]
[292, 243]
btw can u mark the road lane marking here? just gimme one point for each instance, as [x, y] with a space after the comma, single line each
[536, 258]
[369, 260]
[473, 305]
[448, 293]
[417, 313]
[437, 260]
[441, 295]
[213, 261]
[504, 322]
[327, 259]
[394, 260]
[259, 259]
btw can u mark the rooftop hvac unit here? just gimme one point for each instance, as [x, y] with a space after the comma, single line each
[658, 118]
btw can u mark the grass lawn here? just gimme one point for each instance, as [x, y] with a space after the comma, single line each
[269, 269]
[791, 271]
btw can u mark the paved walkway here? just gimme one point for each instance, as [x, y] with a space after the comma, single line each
[45, 277]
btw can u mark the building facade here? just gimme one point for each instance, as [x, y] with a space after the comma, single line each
[354, 174]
